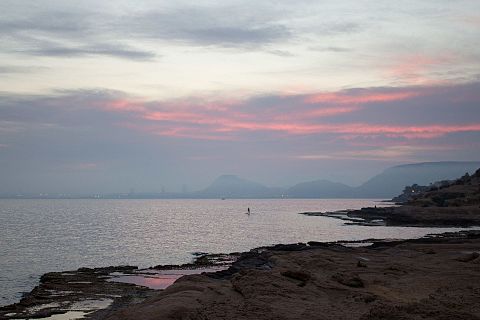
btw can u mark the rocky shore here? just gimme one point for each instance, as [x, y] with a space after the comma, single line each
[454, 204]
[436, 277]
[76, 293]
[94, 293]
[408, 216]
[429, 278]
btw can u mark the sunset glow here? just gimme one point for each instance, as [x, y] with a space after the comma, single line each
[152, 95]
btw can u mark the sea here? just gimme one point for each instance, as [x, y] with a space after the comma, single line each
[39, 236]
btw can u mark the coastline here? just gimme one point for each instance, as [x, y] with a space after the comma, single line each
[360, 277]
[429, 278]
[408, 216]
[95, 292]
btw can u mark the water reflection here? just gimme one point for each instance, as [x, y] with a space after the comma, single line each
[148, 281]
[39, 236]
[158, 280]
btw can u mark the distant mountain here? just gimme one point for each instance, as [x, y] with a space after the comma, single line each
[385, 185]
[320, 189]
[392, 181]
[231, 186]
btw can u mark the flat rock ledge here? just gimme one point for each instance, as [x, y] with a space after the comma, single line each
[435, 277]
[407, 216]
[90, 293]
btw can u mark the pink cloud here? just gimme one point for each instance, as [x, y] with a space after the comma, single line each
[179, 118]
[410, 132]
[426, 131]
[349, 131]
[287, 115]
[319, 113]
[416, 68]
[177, 131]
[123, 105]
[359, 99]
[173, 116]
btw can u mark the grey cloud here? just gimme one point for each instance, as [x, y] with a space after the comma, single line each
[59, 23]
[67, 34]
[20, 69]
[56, 47]
[281, 53]
[221, 26]
[330, 49]
[224, 25]
[123, 52]
[232, 36]
[343, 27]
[63, 108]
[239, 25]
[70, 34]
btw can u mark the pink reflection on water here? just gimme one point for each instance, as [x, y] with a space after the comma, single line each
[158, 279]
[156, 282]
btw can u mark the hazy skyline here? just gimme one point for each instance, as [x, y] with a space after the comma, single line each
[104, 97]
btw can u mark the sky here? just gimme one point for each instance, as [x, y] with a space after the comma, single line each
[110, 96]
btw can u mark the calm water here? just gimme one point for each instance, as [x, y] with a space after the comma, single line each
[38, 236]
